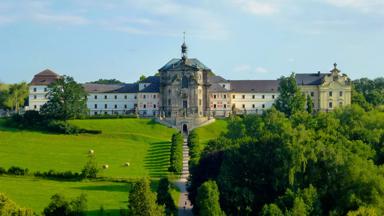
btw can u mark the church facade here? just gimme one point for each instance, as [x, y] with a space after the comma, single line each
[187, 94]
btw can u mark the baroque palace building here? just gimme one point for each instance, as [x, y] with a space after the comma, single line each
[187, 94]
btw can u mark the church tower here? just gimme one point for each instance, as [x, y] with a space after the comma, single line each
[183, 89]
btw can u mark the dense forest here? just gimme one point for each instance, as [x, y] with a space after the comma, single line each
[295, 162]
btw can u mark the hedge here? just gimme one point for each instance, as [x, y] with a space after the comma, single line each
[177, 153]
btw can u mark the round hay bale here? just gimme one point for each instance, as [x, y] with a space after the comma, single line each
[91, 151]
[127, 164]
[105, 166]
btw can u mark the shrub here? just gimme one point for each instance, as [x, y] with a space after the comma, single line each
[8, 207]
[58, 175]
[59, 205]
[176, 153]
[90, 169]
[14, 170]
[2, 171]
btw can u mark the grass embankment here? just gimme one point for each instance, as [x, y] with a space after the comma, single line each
[141, 142]
[211, 131]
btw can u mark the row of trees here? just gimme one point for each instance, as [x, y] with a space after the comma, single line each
[176, 159]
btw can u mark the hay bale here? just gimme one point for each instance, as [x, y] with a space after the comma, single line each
[105, 166]
[91, 151]
[127, 164]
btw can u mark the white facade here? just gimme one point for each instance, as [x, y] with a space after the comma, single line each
[111, 103]
[37, 96]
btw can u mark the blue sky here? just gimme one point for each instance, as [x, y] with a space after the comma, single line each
[237, 39]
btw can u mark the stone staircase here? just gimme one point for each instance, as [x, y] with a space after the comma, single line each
[185, 172]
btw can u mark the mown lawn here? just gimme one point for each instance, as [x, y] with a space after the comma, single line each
[141, 142]
[35, 193]
[212, 131]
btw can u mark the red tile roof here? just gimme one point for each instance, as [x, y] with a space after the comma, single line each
[45, 77]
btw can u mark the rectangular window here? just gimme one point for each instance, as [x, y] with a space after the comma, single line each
[341, 103]
[330, 94]
[243, 96]
[225, 96]
[214, 96]
[253, 105]
[144, 96]
[154, 106]
[341, 94]
[45, 89]
[223, 86]
[115, 97]
[330, 104]
[125, 106]
[34, 96]
[34, 107]
[95, 113]
[214, 106]
[253, 96]
[263, 106]
[105, 96]
[312, 94]
[273, 96]
[263, 96]
[244, 106]
[145, 106]
[125, 97]
[233, 96]
[225, 106]
[105, 113]
[95, 106]
[135, 105]
[154, 96]
[115, 106]
[199, 102]
[95, 97]
[34, 89]
[105, 106]
[135, 97]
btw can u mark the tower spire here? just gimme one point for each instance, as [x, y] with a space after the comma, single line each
[184, 49]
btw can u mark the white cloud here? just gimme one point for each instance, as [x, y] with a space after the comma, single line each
[365, 6]
[60, 19]
[258, 7]
[261, 70]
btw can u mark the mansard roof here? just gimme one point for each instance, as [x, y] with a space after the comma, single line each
[266, 86]
[216, 79]
[110, 88]
[154, 85]
[216, 87]
[176, 62]
[310, 78]
[45, 77]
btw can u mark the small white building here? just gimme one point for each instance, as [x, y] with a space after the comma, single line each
[38, 89]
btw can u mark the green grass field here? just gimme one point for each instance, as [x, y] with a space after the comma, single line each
[212, 131]
[141, 142]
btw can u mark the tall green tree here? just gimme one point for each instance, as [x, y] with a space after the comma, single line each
[16, 96]
[291, 99]
[142, 201]
[67, 100]
[164, 196]
[207, 199]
